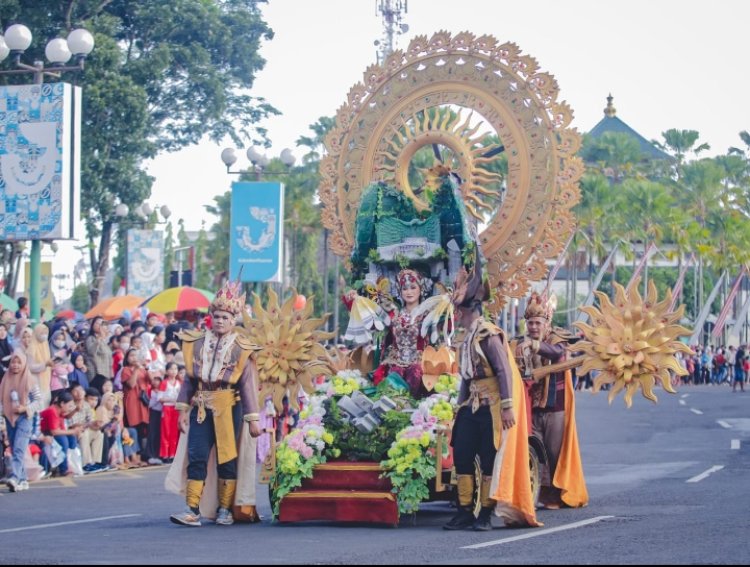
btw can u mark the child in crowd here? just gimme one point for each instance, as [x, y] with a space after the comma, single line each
[78, 374]
[170, 433]
[61, 369]
[117, 354]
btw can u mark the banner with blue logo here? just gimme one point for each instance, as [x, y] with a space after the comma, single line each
[145, 253]
[39, 161]
[256, 231]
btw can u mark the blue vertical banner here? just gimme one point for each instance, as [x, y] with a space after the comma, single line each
[256, 231]
[39, 161]
[145, 254]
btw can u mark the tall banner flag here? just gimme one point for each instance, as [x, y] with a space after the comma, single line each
[145, 262]
[553, 272]
[256, 232]
[46, 299]
[706, 308]
[649, 252]
[741, 318]
[677, 290]
[724, 313]
[39, 161]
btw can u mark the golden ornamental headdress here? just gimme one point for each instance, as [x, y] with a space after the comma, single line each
[540, 305]
[229, 298]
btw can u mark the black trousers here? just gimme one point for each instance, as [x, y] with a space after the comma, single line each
[201, 438]
[473, 434]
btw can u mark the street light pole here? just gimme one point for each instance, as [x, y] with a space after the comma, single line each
[259, 163]
[15, 41]
[35, 269]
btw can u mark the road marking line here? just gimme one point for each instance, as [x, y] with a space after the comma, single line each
[682, 402]
[735, 444]
[696, 411]
[74, 522]
[704, 475]
[537, 533]
[724, 424]
[683, 396]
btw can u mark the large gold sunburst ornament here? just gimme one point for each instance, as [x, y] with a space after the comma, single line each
[633, 342]
[425, 95]
[290, 352]
[470, 154]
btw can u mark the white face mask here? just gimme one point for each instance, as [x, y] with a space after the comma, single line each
[60, 343]
[124, 346]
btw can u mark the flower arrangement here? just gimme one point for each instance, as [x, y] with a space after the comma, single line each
[404, 443]
[448, 385]
[344, 383]
[300, 451]
[411, 459]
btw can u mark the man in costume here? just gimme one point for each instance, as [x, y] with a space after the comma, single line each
[218, 405]
[552, 406]
[485, 399]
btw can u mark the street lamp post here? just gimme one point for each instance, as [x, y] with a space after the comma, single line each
[59, 51]
[259, 162]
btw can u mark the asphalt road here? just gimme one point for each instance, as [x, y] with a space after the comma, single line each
[657, 496]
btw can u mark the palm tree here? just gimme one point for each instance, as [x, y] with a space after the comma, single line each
[314, 143]
[701, 192]
[595, 215]
[681, 142]
[648, 210]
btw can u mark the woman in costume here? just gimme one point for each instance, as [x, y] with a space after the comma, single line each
[403, 344]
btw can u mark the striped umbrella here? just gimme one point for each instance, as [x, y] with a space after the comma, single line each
[183, 298]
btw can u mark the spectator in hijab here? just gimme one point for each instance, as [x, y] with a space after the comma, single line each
[59, 341]
[20, 399]
[40, 360]
[98, 354]
[61, 370]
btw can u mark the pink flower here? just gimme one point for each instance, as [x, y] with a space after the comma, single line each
[306, 452]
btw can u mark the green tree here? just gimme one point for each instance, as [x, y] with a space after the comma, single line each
[80, 300]
[616, 155]
[163, 75]
[217, 247]
[201, 275]
[679, 143]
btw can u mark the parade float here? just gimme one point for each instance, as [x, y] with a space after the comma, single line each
[453, 153]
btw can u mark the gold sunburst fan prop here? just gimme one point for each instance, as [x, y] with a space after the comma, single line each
[472, 97]
[632, 342]
[289, 351]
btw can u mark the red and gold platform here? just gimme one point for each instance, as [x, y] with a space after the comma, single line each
[341, 491]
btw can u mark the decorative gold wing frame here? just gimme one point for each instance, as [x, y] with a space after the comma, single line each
[429, 94]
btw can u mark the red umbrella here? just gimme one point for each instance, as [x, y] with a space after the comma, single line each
[69, 314]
